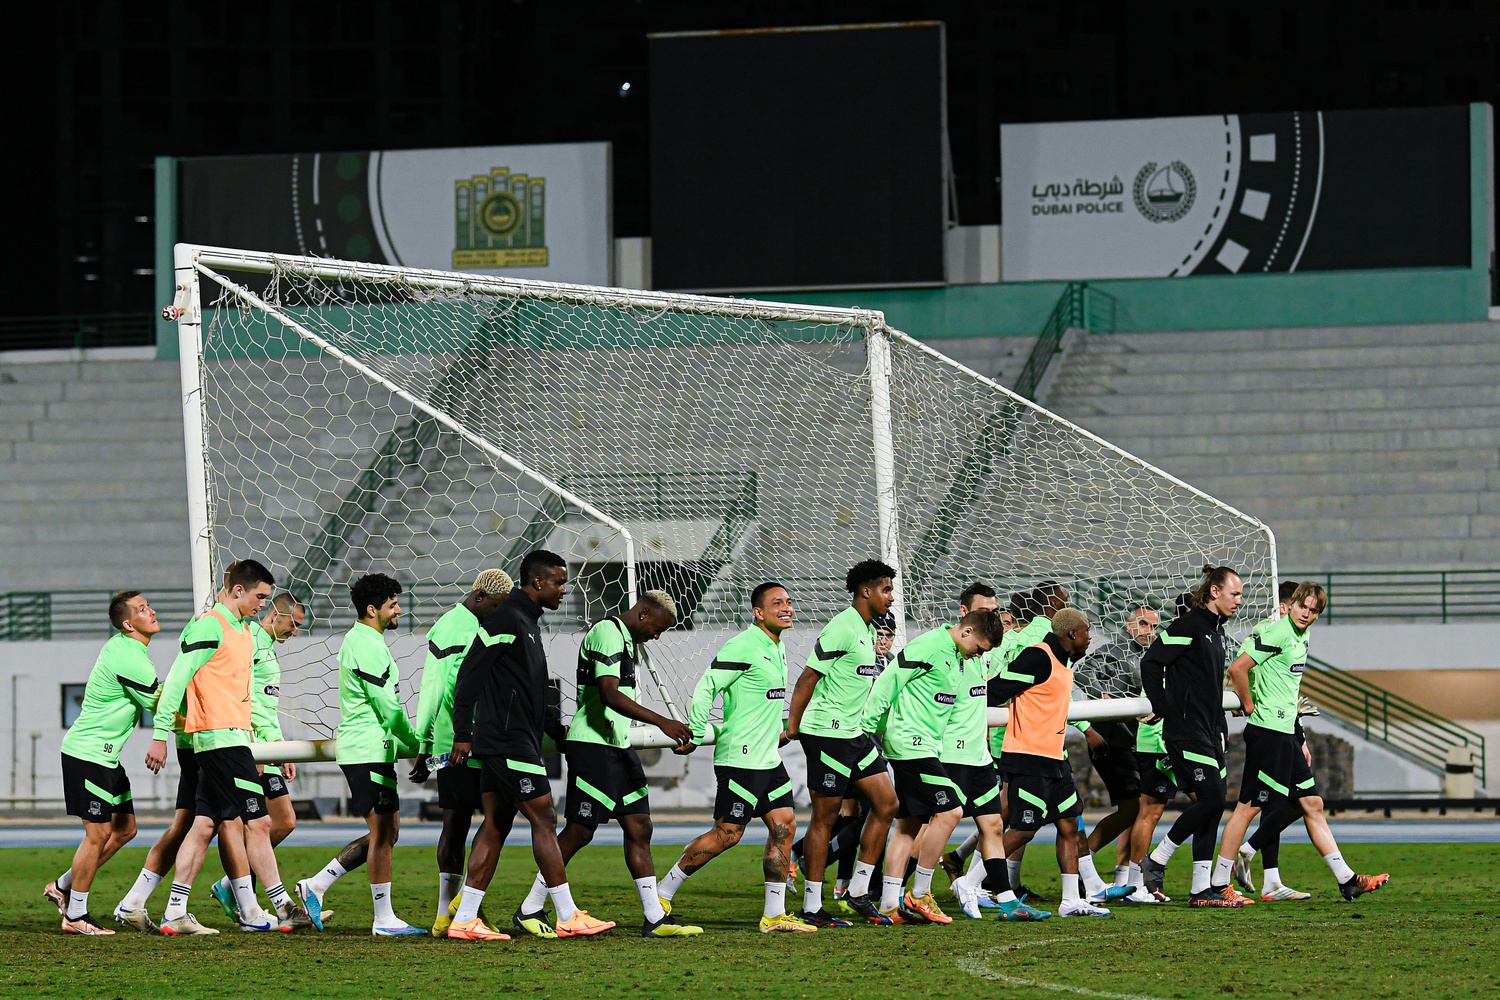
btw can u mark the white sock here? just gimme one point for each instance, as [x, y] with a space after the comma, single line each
[1335, 863]
[244, 896]
[1164, 851]
[1092, 883]
[840, 887]
[674, 880]
[1202, 875]
[859, 885]
[448, 886]
[890, 893]
[1272, 879]
[968, 847]
[468, 904]
[1246, 851]
[775, 898]
[1122, 874]
[536, 899]
[65, 880]
[974, 877]
[812, 897]
[1008, 896]
[323, 881]
[1070, 889]
[78, 904]
[562, 902]
[145, 883]
[280, 899]
[650, 903]
[380, 894]
[1014, 869]
[1223, 869]
[921, 883]
[177, 901]
[1136, 878]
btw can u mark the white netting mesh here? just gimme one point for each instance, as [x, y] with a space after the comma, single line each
[736, 448]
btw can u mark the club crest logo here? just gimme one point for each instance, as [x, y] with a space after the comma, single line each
[829, 780]
[1198, 774]
[499, 220]
[586, 809]
[1165, 192]
[1028, 817]
[1264, 795]
[738, 810]
[526, 786]
[252, 805]
[940, 797]
[94, 809]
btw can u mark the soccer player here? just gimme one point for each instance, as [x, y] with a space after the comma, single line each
[965, 756]
[913, 703]
[605, 776]
[826, 705]
[212, 674]
[285, 617]
[371, 723]
[499, 711]
[1183, 674]
[1268, 678]
[1038, 683]
[749, 674]
[95, 785]
[458, 787]
[1113, 671]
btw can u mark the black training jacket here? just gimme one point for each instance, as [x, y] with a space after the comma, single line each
[1183, 673]
[500, 697]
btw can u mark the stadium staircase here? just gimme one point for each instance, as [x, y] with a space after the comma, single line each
[1364, 448]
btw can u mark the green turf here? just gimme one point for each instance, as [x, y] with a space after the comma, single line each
[1424, 934]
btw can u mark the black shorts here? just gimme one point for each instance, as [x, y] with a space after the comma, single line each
[1117, 768]
[1156, 775]
[833, 763]
[187, 779]
[93, 792]
[604, 782]
[229, 785]
[1037, 800]
[458, 787]
[1200, 769]
[745, 792]
[372, 788]
[274, 785]
[1275, 769]
[923, 788]
[978, 786]
[515, 779]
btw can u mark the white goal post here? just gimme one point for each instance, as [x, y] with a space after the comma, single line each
[343, 418]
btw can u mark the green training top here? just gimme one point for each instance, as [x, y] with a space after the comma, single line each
[750, 673]
[1280, 655]
[607, 651]
[964, 740]
[371, 718]
[844, 658]
[914, 699]
[200, 641]
[1010, 647]
[447, 642]
[122, 683]
[265, 690]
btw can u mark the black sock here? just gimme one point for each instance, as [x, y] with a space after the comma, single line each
[911, 869]
[996, 875]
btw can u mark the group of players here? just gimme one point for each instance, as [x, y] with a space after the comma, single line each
[898, 752]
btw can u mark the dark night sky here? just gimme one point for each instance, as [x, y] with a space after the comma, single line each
[100, 87]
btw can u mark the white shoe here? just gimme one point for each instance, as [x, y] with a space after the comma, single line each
[138, 919]
[1141, 895]
[1242, 873]
[260, 920]
[968, 899]
[186, 925]
[1281, 893]
[1080, 908]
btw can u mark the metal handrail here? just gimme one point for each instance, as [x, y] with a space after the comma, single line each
[1442, 595]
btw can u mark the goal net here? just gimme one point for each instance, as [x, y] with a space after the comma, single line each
[356, 418]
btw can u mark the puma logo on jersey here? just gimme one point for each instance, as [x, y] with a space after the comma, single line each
[776, 694]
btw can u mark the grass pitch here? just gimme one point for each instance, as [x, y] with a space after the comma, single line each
[1430, 932]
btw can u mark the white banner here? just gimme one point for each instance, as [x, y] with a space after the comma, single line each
[523, 211]
[1121, 199]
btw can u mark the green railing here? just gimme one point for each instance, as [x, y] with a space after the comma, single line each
[1416, 733]
[31, 333]
[1409, 595]
[1079, 307]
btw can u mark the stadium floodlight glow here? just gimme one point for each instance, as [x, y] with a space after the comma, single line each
[344, 418]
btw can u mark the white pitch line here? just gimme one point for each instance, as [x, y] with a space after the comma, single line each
[977, 963]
